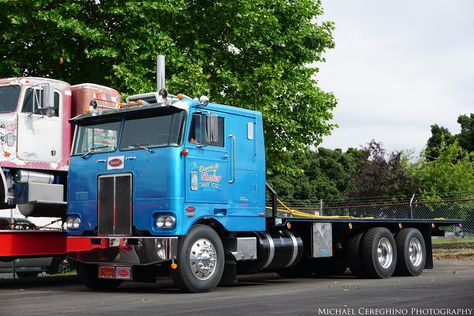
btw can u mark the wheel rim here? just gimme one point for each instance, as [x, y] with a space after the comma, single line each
[385, 253]
[415, 252]
[203, 259]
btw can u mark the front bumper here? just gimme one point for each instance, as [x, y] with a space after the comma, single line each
[122, 250]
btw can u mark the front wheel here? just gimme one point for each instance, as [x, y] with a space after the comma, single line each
[200, 260]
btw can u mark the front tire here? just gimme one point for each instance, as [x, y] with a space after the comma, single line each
[411, 252]
[379, 253]
[89, 275]
[200, 260]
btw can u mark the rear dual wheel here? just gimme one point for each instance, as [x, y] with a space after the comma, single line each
[411, 250]
[379, 253]
[372, 254]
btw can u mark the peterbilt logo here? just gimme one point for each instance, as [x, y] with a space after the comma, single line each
[115, 162]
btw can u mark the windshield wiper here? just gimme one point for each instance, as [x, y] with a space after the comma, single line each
[143, 146]
[92, 149]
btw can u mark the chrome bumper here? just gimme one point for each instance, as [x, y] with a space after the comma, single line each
[122, 250]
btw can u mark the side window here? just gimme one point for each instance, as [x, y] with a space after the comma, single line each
[198, 121]
[28, 102]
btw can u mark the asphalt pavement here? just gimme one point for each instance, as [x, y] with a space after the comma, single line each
[448, 289]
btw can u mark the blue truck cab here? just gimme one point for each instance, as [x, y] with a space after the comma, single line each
[156, 170]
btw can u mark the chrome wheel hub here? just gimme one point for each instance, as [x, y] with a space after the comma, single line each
[415, 252]
[203, 259]
[385, 253]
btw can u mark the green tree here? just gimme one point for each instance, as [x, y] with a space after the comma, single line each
[466, 136]
[258, 54]
[440, 136]
[451, 172]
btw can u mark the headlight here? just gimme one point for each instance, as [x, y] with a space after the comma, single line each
[169, 221]
[165, 221]
[76, 222]
[73, 222]
[160, 221]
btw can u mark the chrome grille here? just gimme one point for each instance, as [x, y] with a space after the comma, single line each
[115, 205]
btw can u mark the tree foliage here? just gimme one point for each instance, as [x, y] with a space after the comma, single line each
[380, 174]
[325, 174]
[442, 137]
[257, 54]
[451, 172]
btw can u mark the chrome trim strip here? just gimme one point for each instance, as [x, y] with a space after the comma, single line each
[271, 255]
[295, 249]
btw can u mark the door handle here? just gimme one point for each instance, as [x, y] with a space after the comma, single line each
[226, 156]
[233, 158]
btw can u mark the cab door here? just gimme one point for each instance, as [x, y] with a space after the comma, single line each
[39, 133]
[207, 163]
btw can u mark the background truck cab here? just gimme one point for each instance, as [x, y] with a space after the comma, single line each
[35, 140]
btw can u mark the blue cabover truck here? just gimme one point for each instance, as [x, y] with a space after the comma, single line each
[168, 185]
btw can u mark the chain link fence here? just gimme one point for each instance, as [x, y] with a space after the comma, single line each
[453, 206]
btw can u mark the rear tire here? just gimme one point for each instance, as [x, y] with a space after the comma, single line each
[411, 252]
[379, 253]
[89, 275]
[353, 251]
[200, 260]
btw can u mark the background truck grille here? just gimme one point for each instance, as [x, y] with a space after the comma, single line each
[115, 205]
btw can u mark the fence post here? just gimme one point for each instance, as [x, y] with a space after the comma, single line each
[411, 206]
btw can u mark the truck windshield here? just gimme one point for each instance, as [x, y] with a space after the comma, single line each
[98, 138]
[153, 131]
[9, 98]
[139, 131]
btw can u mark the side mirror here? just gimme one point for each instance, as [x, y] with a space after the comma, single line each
[43, 100]
[212, 129]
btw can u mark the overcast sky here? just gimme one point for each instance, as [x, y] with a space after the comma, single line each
[398, 67]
